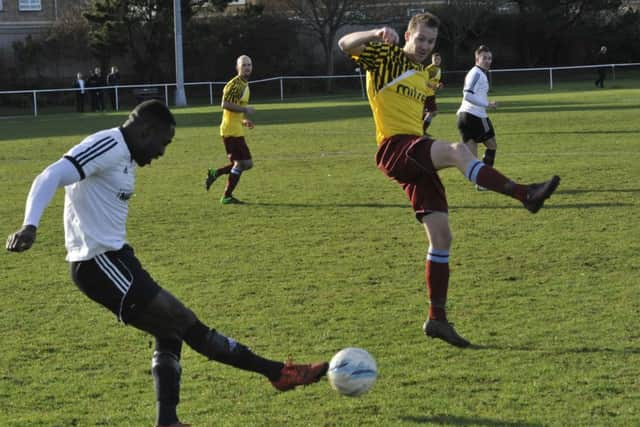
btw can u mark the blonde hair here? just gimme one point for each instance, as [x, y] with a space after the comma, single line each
[427, 18]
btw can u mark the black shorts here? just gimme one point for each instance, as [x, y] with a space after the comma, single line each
[117, 281]
[480, 129]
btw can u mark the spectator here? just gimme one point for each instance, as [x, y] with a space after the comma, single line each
[601, 59]
[81, 85]
[113, 79]
[97, 95]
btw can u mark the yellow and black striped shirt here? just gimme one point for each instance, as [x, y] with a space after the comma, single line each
[396, 87]
[237, 92]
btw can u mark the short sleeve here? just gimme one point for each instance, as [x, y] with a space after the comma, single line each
[232, 91]
[95, 153]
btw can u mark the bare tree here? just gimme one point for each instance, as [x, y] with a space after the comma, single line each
[324, 18]
[464, 19]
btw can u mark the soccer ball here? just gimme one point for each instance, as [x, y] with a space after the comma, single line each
[352, 371]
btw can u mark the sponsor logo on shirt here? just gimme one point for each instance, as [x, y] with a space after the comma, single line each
[411, 92]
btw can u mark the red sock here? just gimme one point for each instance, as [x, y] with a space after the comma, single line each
[437, 276]
[490, 178]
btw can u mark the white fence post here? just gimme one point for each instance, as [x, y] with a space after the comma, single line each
[550, 78]
[35, 104]
[281, 89]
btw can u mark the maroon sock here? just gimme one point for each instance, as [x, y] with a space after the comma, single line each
[232, 181]
[437, 276]
[490, 178]
[224, 170]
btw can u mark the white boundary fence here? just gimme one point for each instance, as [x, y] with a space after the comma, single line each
[281, 79]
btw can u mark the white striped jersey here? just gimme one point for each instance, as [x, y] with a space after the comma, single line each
[476, 84]
[96, 207]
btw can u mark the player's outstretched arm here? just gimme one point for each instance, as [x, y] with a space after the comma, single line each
[43, 189]
[354, 43]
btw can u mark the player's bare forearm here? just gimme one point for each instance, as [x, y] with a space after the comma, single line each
[231, 106]
[354, 43]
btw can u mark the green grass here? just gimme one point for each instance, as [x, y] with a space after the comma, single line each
[327, 254]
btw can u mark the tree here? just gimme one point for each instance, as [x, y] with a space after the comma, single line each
[144, 28]
[324, 18]
[464, 20]
[553, 25]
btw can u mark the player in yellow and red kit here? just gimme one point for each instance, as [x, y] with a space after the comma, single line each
[396, 88]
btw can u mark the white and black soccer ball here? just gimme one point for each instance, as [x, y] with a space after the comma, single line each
[352, 371]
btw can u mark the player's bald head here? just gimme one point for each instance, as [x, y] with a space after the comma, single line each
[243, 59]
[244, 66]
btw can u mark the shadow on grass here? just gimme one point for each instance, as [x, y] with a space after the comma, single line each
[451, 207]
[557, 351]
[574, 132]
[603, 190]
[465, 421]
[57, 125]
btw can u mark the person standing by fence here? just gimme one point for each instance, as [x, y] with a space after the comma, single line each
[601, 59]
[113, 79]
[80, 85]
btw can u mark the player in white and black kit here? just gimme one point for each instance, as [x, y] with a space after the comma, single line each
[98, 175]
[473, 121]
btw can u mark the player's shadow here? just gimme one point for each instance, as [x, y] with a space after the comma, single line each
[556, 351]
[328, 205]
[451, 207]
[598, 190]
[465, 421]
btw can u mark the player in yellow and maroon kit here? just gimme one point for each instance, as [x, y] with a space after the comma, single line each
[433, 85]
[235, 109]
[396, 88]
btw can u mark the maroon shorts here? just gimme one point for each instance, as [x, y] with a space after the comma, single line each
[407, 159]
[236, 147]
[430, 104]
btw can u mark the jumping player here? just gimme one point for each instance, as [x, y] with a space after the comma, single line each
[396, 90]
[473, 122]
[235, 112]
[98, 175]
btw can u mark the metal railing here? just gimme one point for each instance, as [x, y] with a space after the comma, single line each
[166, 93]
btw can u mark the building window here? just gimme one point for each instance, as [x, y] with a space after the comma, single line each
[29, 5]
[237, 2]
[1, 6]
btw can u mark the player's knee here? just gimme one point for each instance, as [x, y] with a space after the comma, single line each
[458, 152]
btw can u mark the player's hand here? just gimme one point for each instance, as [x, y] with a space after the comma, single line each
[249, 109]
[388, 35]
[493, 104]
[440, 85]
[248, 124]
[22, 239]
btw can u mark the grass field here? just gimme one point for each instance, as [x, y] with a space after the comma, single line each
[326, 254]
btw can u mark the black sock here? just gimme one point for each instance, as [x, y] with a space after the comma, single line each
[220, 348]
[489, 157]
[166, 371]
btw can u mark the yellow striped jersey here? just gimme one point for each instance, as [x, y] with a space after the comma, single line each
[396, 88]
[237, 92]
